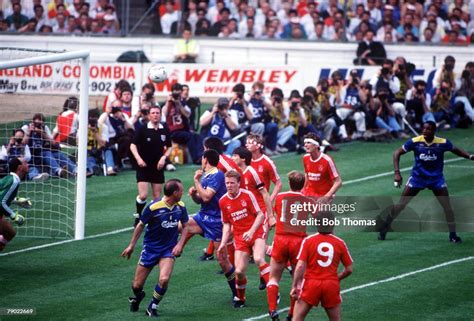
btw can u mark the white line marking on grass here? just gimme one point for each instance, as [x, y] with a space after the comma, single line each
[393, 278]
[460, 166]
[405, 169]
[67, 241]
[126, 229]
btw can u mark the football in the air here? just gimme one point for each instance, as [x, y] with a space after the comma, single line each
[157, 74]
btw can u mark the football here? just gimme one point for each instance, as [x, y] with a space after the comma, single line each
[157, 74]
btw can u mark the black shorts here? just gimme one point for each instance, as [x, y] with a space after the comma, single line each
[150, 175]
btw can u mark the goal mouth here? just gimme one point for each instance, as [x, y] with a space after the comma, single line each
[31, 128]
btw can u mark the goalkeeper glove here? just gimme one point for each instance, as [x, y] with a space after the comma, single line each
[23, 202]
[18, 219]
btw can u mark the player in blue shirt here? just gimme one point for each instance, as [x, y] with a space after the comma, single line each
[426, 173]
[161, 218]
[209, 187]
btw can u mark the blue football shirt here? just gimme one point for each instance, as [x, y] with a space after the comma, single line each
[429, 157]
[162, 223]
[213, 179]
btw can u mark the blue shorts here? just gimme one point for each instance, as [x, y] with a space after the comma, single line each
[420, 183]
[211, 226]
[151, 256]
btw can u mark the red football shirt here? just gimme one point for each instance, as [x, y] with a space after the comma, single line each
[322, 254]
[266, 169]
[320, 174]
[254, 184]
[284, 216]
[226, 164]
[240, 211]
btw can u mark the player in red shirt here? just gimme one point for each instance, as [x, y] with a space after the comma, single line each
[264, 166]
[225, 164]
[316, 279]
[251, 181]
[287, 240]
[241, 213]
[322, 178]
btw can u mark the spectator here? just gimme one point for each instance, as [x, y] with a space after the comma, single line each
[407, 26]
[454, 38]
[217, 122]
[280, 114]
[370, 52]
[418, 104]
[412, 7]
[56, 7]
[294, 23]
[100, 10]
[67, 122]
[46, 29]
[441, 104]
[375, 13]
[169, 17]
[350, 101]
[465, 94]
[46, 153]
[186, 49]
[386, 115]
[176, 115]
[75, 9]
[17, 148]
[446, 72]
[115, 94]
[147, 96]
[386, 28]
[117, 130]
[230, 31]
[126, 96]
[16, 20]
[224, 20]
[389, 83]
[330, 119]
[97, 151]
[427, 36]
[3, 25]
[40, 16]
[60, 24]
[239, 107]
[203, 27]
[29, 27]
[400, 70]
[110, 25]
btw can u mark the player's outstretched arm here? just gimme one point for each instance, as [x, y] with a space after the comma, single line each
[462, 153]
[135, 236]
[396, 166]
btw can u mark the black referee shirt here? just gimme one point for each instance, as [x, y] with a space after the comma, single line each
[151, 143]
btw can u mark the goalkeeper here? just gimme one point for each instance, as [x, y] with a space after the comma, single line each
[9, 186]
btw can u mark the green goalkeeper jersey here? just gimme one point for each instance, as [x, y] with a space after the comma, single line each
[8, 189]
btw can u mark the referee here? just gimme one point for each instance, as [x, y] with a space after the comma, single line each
[150, 147]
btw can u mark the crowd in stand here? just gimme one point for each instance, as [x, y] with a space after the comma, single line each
[391, 21]
[60, 16]
[338, 109]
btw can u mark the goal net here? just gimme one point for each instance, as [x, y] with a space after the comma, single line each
[36, 87]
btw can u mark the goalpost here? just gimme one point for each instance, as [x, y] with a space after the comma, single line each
[56, 223]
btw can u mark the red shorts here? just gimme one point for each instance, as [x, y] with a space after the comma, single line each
[244, 246]
[286, 247]
[324, 291]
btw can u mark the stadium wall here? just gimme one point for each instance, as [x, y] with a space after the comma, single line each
[222, 63]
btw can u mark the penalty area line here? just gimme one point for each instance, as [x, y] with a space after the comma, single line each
[366, 178]
[66, 241]
[393, 278]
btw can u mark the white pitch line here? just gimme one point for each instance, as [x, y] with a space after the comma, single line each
[460, 166]
[393, 278]
[126, 229]
[67, 241]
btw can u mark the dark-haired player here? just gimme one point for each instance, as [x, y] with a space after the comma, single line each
[209, 187]
[161, 218]
[322, 178]
[225, 164]
[9, 186]
[316, 279]
[427, 172]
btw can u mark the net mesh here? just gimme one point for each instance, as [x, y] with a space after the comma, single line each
[50, 183]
